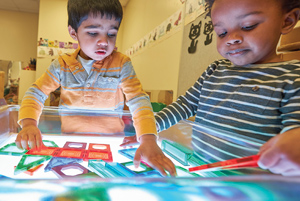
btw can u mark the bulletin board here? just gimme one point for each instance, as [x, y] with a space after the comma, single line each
[197, 52]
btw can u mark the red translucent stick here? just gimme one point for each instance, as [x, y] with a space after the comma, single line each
[249, 161]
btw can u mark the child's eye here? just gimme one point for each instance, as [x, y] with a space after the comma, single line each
[92, 33]
[248, 28]
[111, 35]
[222, 34]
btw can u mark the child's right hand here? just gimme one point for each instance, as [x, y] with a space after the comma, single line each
[30, 136]
[281, 154]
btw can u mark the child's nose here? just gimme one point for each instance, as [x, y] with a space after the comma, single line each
[102, 41]
[234, 39]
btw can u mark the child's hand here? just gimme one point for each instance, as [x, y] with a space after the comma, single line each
[30, 136]
[150, 152]
[281, 154]
[129, 141]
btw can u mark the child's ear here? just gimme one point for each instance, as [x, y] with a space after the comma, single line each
[290, 20]
[72, 33]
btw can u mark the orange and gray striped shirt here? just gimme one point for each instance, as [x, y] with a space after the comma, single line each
[104, 88]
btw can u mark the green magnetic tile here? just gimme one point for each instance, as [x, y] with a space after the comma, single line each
[98, 166]
[29, 161]
[49, 143]
[182, 172]
[142, 165]
[12, 149]
[88, 175]
[177, 151]
[195, 161]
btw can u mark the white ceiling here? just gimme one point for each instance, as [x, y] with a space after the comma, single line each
[30, 6]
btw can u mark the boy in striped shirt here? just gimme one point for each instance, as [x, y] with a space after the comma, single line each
[95, 76]
[252, 92]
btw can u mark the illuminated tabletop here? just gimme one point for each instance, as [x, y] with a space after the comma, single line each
[115, 178]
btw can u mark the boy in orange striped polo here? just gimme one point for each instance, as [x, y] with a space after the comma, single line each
[95, 76]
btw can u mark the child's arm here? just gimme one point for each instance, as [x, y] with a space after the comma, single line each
[150, 152]
[281, 154]
[29, 135]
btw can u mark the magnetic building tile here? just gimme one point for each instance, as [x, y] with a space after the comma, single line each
[75, 145]
[99, 147]
[57, 161]
[106, 156]
[12, 149]
[177, 151]
[48, 151]
[29, 161]
[69, 153]
[59, 170]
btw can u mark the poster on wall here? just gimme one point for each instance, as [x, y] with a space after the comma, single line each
[166, 29]
[54, 48]
[193, 9]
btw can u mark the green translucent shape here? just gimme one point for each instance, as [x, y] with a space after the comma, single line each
[195, 161]
[142, 165]
[182, 172]
[29, 161]
[12, 149]
[98, 166]
[177, 151]
[49, 143]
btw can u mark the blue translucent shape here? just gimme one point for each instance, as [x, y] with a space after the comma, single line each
[151, 174]
[129, 153]
[57, 161]
[120, 169]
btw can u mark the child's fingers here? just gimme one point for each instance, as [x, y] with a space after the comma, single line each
[24, 142]
[292, 172]
[158, 166]
[32, 142]
[269, 158]
[137, 159]
[39, 141]
[169, 166]
[268, 145]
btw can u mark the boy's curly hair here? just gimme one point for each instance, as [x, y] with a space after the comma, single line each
[287, 5]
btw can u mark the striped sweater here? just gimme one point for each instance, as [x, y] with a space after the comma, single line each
[258, 101]
[104, 88]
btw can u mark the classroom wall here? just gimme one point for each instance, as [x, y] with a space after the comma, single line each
[18, 35]
[157, 67]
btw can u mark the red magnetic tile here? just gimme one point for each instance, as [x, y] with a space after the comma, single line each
[99, 147]
[46, 151]
[105, 156]
[70, 153]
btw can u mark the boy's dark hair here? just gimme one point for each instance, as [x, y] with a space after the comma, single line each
[287, 5]
[79, 10]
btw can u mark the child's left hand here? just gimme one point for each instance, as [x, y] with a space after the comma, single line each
[129, 141]
[281, 154]
[151, 153]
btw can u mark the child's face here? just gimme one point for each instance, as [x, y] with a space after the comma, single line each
[96, 37]
[247, 30]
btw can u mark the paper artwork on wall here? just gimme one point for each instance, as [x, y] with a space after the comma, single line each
[54, 48]
[166, 29]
